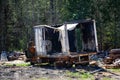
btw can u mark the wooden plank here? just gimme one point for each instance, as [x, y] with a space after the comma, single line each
[82, 54]
[81, 62]
[111, 66]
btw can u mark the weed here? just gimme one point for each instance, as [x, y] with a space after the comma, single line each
[73, 74]
[19, 65]
[80, 76]
[87, 76]
[114, 70]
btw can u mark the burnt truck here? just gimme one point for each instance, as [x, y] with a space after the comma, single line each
[63, 45]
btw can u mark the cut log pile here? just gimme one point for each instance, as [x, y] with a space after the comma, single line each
[113, 60]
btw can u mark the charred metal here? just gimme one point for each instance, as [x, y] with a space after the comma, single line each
[70, 43]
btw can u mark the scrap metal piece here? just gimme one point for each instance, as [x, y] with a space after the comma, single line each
[117, 62]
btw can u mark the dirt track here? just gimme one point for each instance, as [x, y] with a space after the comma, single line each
[52, 73]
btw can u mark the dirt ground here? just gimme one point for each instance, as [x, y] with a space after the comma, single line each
[47, 72]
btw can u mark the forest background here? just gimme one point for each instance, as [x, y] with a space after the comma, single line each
[17, 18]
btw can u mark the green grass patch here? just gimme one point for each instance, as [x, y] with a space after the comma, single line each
[23, 64]
[79, 75]
[114, 70]
[72, 74]
[87, 76]
[19, 65]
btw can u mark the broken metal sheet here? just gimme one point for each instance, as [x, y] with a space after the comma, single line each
[46, 40]
[87, 37]
[116, 62]
[64, 39]
[69, 26]
[42, 26]
[84, 35]
[39, 41]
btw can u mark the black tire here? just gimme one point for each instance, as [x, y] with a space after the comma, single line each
[32, 63]
[68, 65]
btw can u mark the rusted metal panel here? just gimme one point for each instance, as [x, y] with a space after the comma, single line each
[47, 40]
[64, 38]
[88, 37]
[39, 40]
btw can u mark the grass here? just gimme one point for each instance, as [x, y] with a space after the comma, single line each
[23, 64]
[114, 70]
[19, 65]
[80, 76]
[73, 74]
[87, 76]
